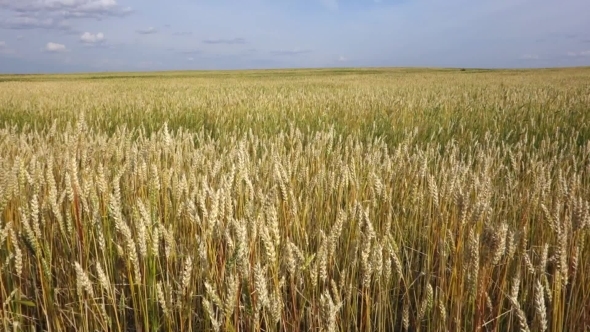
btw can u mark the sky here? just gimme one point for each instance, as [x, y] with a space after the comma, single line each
[47, 36]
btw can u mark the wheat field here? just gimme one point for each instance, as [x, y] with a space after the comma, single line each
[296, 200]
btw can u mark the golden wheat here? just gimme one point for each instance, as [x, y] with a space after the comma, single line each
[345, 200]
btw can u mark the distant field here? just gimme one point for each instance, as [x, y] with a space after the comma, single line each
[325, 199]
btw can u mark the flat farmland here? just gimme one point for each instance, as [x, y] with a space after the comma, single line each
[296, 200]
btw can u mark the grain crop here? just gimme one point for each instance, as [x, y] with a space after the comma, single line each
[296, 200]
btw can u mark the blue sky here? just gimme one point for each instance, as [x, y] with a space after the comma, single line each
[132, 35]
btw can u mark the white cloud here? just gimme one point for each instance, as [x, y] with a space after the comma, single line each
[2, 44]
[190, 59]
[147, 31]
[342, 59]
[90, 38]
[530, 57]
[55, 47]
